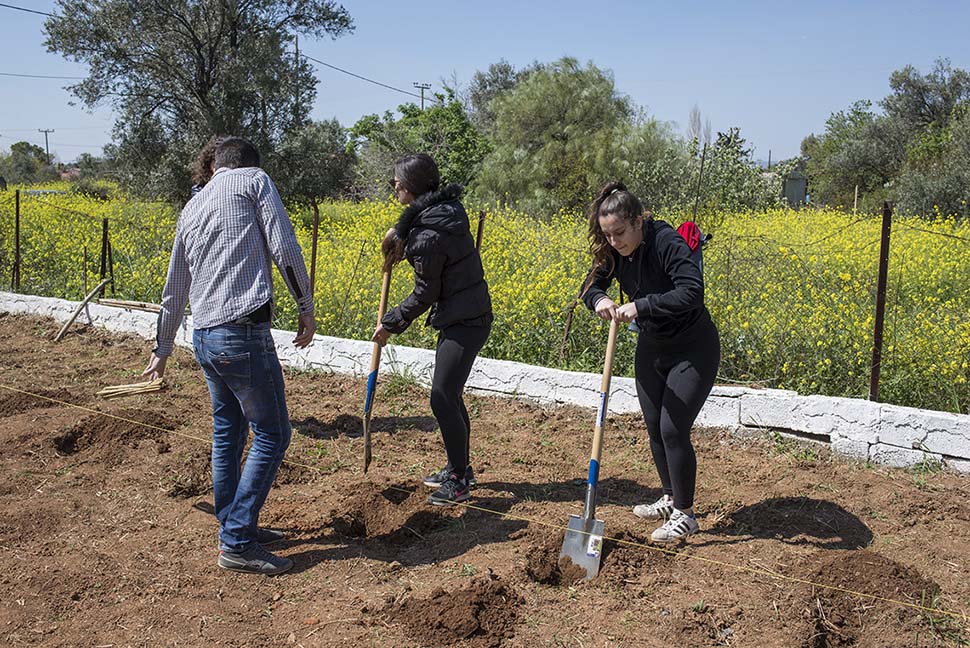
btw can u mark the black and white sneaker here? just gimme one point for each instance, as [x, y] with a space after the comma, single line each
[451, 492]
[434, 480]
[659, 510]
[679, 526]
[254, 560]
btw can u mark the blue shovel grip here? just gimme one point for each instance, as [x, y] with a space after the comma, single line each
[594, 472]
[371, 385]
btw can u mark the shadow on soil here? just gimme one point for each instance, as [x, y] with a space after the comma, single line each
[390, 523]
[622, 492]
[352, 426]
[793, 520]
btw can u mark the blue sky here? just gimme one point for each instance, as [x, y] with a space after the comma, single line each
[777, 70]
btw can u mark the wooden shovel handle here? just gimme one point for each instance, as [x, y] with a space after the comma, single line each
[375, 358]
[604, 393]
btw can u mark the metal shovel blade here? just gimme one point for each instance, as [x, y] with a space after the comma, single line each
[367, 443]
[583, 544]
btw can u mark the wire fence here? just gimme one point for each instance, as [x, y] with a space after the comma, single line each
[792, 293]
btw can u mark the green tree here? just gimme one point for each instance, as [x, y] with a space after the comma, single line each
[26, 163]
[858, 148]
[486, 85]
[732, 181]
[313, 163]
[557, 137]
[442, 130]
[178, 71]
[921, 102]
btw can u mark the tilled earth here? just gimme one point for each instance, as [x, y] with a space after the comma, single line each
[107, 536]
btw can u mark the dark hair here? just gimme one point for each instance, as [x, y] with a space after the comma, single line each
[203, 166]
[613, 198]
[418, 173]
[235, 153]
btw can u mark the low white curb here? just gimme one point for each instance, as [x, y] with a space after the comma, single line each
[886, 434]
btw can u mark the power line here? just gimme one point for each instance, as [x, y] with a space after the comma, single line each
[33, 11]
[39, 76]
[363, 78]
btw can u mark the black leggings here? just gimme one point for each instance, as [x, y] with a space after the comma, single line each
[672, 388]
[458, 345]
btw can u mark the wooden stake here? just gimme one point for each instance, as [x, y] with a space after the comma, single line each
[80, 307]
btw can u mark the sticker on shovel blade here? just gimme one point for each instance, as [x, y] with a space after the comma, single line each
[594, 546]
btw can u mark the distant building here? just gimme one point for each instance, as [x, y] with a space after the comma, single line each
[70, 173]
[795, 189]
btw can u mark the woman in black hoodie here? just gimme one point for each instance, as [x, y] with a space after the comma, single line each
[433, 234]
[678, 348]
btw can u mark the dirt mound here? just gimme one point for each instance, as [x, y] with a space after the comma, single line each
[627, 560]
[837, 619]
[190, 475]
[543, 564]
[395, 513]
[623, 562]
[482, 615]
[110, 435]
[12, 403]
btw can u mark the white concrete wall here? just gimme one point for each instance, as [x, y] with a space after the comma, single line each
[886, 434]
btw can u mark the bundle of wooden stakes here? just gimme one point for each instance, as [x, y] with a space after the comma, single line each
[129, 390]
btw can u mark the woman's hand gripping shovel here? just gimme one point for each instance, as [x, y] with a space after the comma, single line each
[375, 364]
[583, 543]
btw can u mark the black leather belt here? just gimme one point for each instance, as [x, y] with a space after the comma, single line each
[261, 315]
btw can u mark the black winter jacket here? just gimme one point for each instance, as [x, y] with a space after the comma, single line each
[448, 270]
[664, 281]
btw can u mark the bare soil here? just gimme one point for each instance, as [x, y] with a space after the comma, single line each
[107, 535]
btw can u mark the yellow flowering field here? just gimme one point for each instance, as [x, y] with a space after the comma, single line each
[793, 293]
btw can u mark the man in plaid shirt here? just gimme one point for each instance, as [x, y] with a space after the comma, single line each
[225, 240]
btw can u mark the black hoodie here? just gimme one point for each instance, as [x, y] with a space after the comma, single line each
[664, 281]
[447, 267]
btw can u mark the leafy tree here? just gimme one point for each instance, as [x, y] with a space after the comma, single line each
[941, 183]
[910, 153]
[920, 101]
[178, 71]
[442, 130]
[26, 163]
[313, 163]
[485, 86]
[556, 138]
[858, 148]
[732, 181]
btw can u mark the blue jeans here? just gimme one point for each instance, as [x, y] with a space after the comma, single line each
[246, 386]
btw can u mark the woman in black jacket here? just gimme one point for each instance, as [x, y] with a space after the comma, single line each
[433, 234]
[678, 348]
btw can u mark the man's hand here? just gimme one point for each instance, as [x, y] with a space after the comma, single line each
[155, 368]
[304, 332]
[627, 312]
[380, 335]
[606, 308]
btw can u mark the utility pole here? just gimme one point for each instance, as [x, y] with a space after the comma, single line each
[47, 147]
[422, 87]
[296, 85]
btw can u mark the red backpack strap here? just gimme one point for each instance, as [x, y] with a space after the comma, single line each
[691, 233]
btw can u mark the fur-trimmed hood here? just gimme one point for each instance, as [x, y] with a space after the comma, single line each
[440, 210]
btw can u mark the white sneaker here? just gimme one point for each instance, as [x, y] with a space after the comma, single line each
[679, 526]
[659, 510]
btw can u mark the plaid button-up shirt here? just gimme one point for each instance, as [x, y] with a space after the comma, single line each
[224, 241]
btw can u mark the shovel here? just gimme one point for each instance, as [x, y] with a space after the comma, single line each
[375, 364]
[583, 543]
